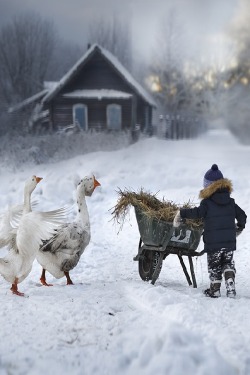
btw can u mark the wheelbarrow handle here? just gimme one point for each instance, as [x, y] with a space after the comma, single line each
[199, 253]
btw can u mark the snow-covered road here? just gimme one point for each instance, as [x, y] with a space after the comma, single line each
[111, 322]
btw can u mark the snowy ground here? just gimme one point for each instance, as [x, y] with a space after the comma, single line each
[111, 322]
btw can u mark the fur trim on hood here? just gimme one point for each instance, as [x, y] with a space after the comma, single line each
[223, 183]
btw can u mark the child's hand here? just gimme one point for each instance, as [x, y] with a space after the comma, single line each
[177, 220]
[238, 230]
[179, 229]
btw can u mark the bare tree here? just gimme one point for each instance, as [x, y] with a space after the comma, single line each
[167, 62]
[208, 80]
[26, 52]
[190, 84]
[114, 34]
[64, 57]
[239, 31]
[238, 80]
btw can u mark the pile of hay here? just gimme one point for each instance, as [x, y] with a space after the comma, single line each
[150, 205]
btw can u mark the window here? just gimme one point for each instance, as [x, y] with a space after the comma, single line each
[80, 115]
[114, 117]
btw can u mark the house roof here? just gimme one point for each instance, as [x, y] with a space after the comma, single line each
[47, 87]
[120, 69]
[28, 101]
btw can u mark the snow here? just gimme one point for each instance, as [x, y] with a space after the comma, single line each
[100, 94]
[28, 101]
[110, 321]
[49, 85]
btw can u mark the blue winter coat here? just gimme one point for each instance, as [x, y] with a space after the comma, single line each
[220, 214]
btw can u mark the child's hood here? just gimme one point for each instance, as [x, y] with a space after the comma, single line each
[220, 185]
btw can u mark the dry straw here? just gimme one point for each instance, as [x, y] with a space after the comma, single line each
[150, 205]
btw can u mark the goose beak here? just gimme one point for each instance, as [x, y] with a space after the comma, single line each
[38, 179]
[96, 183]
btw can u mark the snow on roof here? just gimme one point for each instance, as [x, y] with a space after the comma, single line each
[99, 94]
[116, 64]
[49, 84]
[28, 101]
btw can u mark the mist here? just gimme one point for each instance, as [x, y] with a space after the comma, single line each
[204, 37]
[204, 23]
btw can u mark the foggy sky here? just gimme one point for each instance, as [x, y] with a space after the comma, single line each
[203, 20]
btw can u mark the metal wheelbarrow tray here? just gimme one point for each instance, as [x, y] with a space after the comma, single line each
[158, 239]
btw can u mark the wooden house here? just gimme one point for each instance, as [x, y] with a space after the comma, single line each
[97, 93]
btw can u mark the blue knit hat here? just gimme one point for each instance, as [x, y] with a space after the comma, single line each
[212, 175]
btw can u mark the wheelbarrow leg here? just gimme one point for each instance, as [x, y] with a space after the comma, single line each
[137, 257]
[185, 270]
[192, 271]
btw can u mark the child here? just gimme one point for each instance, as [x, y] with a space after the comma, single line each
[219, 212]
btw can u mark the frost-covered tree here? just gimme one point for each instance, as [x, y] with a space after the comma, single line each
[238, 82]
[64, 57]
[191, 81]
[26, 51]
[31, 52]
[178, 74]
[114, 34]
[239, 31]
[167, 62]
[178, 92]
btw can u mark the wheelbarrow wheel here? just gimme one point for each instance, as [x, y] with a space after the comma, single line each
[148, 264]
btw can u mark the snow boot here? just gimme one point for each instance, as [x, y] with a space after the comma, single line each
[230, 283]
[214, 290]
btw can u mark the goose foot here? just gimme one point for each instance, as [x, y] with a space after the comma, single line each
[69, 281]
[15, 290]
[44, 282]
[43, 279]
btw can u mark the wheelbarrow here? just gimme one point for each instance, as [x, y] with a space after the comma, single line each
[158, 239]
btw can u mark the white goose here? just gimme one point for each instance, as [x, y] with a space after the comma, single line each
[62, 252]
[22, 231]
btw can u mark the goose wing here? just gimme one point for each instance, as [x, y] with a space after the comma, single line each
[69, 239]
[34, 227]
[7, 231]
[9, 222]
[65, 237]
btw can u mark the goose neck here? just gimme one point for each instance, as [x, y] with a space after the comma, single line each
[82, 213]
[27, 204]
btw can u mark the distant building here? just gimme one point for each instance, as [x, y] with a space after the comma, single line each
[97, 93]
